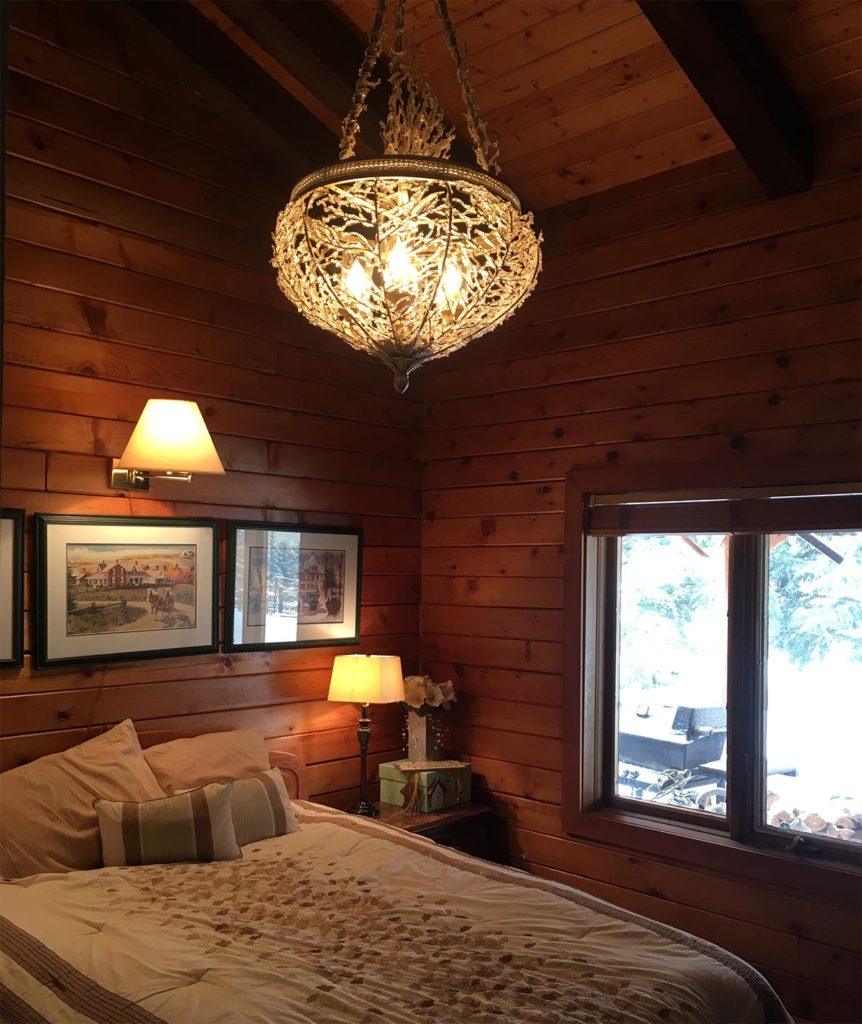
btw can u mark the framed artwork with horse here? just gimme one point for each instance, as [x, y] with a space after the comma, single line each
[113, 588]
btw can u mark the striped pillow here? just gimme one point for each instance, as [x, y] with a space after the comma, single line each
[261, 807]
[192, 826]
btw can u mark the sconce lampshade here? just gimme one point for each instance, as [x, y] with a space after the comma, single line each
[367, 679]
[171, 436]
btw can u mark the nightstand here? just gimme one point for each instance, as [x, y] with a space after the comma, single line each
[466, 828]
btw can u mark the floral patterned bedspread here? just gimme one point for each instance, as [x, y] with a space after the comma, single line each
[350, 922]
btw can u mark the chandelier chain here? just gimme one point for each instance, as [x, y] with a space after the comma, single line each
[397, 71]
[487, 152]
[364, 85]
[398, 38]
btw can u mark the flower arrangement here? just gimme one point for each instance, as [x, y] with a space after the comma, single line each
[422, 695]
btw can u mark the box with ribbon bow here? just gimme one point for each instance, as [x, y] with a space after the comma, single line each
[423, 786]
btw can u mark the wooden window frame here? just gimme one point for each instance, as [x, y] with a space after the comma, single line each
[682, 837]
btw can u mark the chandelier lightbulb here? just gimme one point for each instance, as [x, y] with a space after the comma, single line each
[407, 256]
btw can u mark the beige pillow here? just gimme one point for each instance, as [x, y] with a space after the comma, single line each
[48, 820]
[193, 826]
[189, 763]
[261, 808]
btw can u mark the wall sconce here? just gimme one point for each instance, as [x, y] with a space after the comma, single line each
[170, 442]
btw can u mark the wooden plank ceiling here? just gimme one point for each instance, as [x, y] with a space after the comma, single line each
[583, 95]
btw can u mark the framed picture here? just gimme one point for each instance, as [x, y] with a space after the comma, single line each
[11, 587]
[116, 588]
[291, 586]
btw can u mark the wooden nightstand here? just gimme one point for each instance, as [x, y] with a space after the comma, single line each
[466, 828]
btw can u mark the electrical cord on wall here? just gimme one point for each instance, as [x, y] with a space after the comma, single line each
[96, 699]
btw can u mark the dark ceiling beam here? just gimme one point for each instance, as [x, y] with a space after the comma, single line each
[720, 51]
[313, 73]
[281, 127]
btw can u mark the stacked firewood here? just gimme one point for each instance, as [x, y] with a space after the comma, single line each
[842, 821]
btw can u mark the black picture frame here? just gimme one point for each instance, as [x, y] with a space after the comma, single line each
[41, 525]
[18, 518]
[233, 527]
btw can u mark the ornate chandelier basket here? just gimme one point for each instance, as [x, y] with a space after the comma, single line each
[406, 256]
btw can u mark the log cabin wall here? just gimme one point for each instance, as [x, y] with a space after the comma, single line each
[138, 225]
[682, 319]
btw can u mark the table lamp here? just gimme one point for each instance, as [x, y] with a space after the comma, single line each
[366, 679]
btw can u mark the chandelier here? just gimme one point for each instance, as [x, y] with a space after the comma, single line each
[407, 256]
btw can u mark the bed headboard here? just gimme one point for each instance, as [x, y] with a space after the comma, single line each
[293, 770]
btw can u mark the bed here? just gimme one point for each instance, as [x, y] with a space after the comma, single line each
[348, 921]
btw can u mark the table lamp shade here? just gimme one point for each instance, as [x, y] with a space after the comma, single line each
[367, 679]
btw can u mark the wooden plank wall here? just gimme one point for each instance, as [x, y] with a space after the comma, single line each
[682, 319]
[137, 265]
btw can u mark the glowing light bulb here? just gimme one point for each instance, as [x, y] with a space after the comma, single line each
[449, 288]
[451, 283]
[399, 271]
[358, 282]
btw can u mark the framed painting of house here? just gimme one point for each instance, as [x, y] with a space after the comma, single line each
[291, 586]
[11, 587]
[112, 588]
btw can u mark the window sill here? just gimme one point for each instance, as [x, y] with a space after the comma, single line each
[703, 847]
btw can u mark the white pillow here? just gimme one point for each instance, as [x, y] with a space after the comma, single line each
[47, 820]
[190, 763]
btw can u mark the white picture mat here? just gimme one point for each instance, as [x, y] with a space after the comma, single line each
[286, 629]
[7, 588]
[58, 535]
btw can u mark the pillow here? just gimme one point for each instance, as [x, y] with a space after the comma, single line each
[261, 808]
[47, 807]
[190, 826]
[189, 763]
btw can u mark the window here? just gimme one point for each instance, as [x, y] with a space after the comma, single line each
[813, 685]
[721, 669]
[671, 676]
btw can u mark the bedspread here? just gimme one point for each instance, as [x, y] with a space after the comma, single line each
[348, 921]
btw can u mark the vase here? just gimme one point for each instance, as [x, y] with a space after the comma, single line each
[423, 737]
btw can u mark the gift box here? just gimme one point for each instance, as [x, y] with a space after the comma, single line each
[425, 785]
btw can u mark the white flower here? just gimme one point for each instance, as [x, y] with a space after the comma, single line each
[422, 692]
[434, 695]
[448, 692]
[414, 691]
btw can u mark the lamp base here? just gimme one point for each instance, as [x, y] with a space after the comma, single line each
[366, 809]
